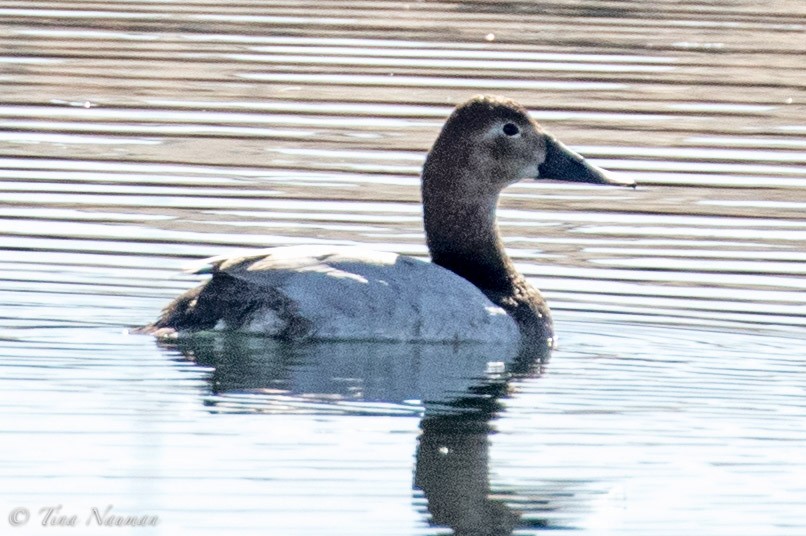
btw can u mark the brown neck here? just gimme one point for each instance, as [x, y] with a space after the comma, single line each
[463, 237]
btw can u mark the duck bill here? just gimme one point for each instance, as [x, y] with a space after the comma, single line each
[563, 164]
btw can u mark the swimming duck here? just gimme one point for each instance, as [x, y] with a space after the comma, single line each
[469, 292]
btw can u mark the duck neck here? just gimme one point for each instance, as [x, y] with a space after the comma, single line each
[463, 237]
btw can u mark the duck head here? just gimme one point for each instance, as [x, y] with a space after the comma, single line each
[489, 143]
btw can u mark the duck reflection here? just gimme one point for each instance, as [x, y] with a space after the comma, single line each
[457, 390]
[452, 468]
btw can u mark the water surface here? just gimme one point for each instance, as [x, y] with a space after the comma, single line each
[139, 136]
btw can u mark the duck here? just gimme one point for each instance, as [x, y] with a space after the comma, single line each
[469, 291]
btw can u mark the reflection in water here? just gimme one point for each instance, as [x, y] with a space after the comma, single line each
[453, 469]
[455, 388]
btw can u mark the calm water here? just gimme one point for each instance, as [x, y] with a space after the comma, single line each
[139, 135]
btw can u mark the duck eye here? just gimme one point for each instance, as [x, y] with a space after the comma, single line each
[511, 129]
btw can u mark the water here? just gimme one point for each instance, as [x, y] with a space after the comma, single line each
[138, 136]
